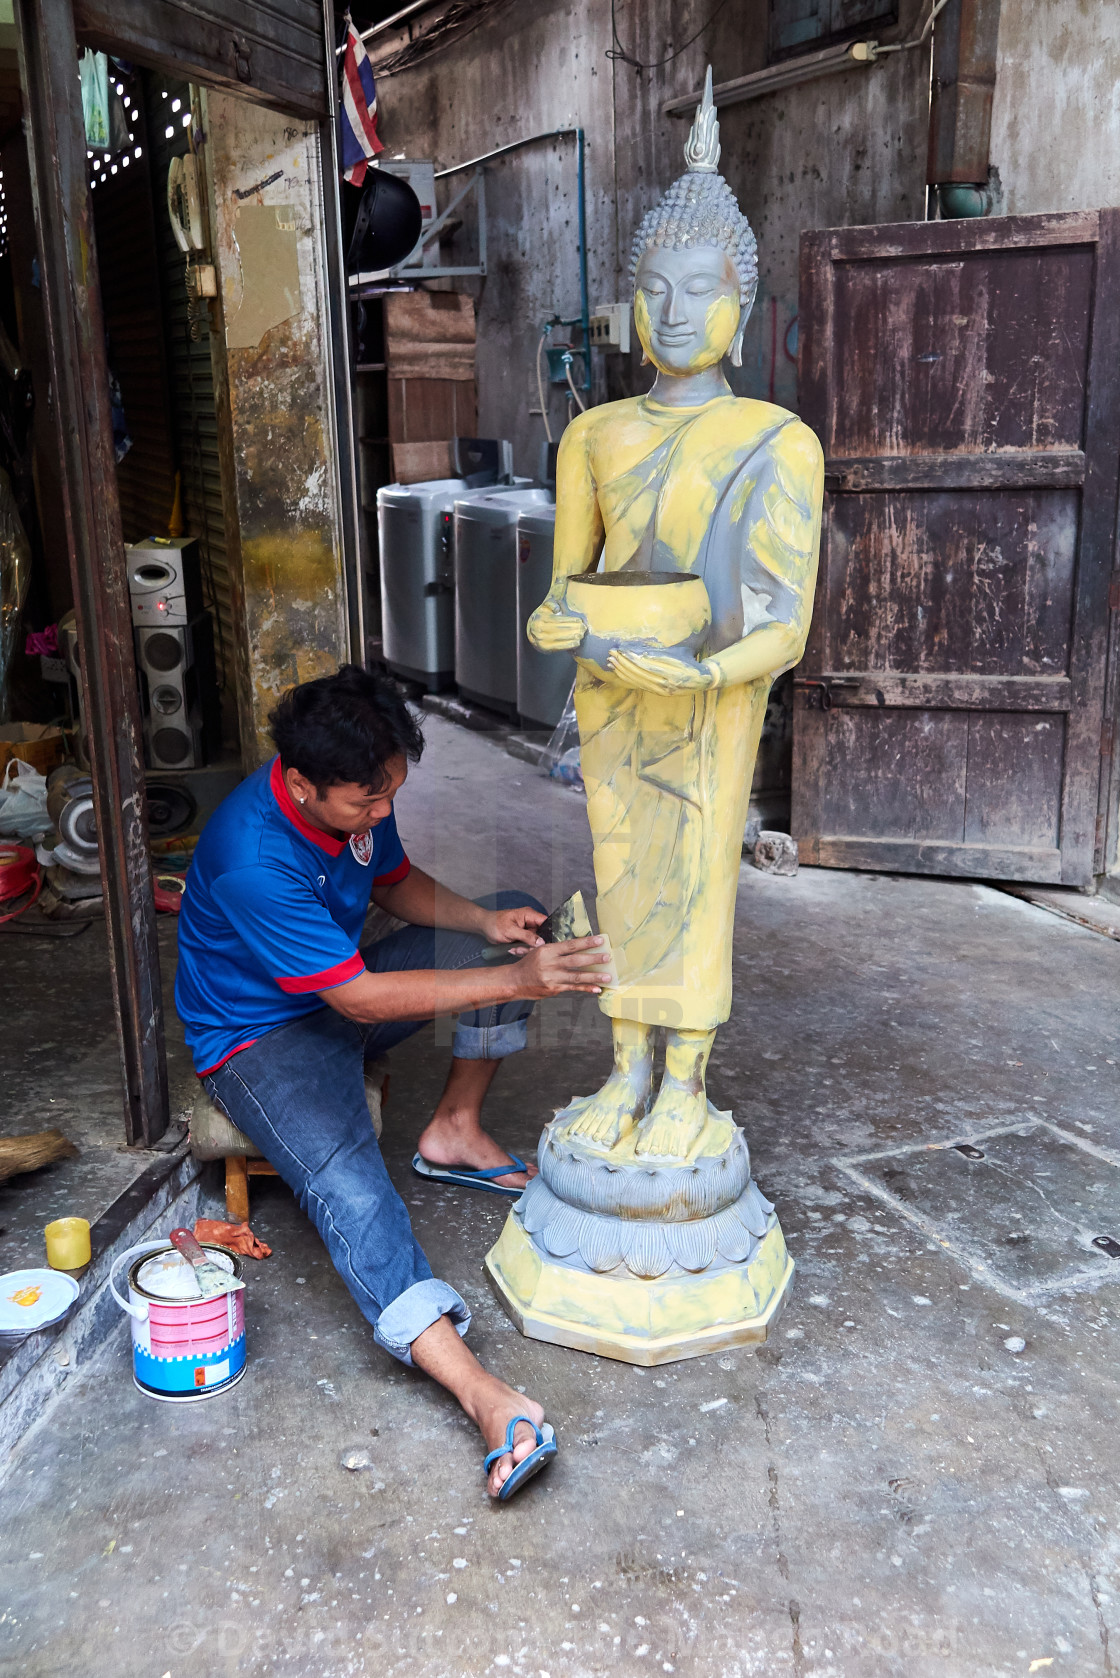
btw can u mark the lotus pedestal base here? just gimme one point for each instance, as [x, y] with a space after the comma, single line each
[641, 1261]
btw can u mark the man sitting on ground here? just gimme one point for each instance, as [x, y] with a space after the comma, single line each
[281, 1007]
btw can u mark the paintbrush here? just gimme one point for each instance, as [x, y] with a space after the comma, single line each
[211, 1278]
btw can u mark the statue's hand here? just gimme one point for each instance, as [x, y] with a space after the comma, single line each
[657, 674]
[553, 630]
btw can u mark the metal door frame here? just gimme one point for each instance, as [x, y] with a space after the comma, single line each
[48, 58]
[56, 145]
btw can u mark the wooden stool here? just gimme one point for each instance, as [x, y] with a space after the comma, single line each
[214, 1136]
[239, 1168]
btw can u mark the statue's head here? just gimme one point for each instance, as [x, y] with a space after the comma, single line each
[695, 262]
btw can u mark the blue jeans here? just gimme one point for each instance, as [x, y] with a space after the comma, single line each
[298, 1093]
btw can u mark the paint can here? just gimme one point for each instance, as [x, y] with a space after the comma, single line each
[183, 1348]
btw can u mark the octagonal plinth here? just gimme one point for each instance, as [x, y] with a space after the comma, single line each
[642, 1259]
[633, 1319]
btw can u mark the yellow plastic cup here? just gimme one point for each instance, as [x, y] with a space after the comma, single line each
[67, 1243]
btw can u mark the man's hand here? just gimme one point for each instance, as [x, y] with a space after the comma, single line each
[579, 964]
[654, 673]
[512, 926]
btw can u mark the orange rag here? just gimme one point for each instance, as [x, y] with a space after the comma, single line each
[238, 1236]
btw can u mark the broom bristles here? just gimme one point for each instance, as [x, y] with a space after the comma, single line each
[31, 1153]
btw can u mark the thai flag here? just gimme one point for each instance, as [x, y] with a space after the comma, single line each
[357, 112]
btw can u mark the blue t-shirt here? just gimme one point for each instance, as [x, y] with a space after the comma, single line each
[272, 914]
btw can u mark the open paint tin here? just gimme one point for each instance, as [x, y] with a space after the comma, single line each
[183, 1348]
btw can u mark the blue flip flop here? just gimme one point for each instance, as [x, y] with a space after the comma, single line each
[528, 1466]
[461, 1176]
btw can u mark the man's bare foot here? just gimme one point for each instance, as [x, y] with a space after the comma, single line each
[459, 1139]
[492, 1406]
[614, 1111]
[489, 1403]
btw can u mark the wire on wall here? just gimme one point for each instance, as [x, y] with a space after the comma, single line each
[618, 51]
[540, 384]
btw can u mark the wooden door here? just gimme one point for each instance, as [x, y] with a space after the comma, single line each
[964, 379]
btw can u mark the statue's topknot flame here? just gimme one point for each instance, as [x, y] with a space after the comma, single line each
[701, 209]
[701, 151]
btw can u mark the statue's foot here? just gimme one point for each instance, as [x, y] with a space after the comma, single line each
[675, 1125]
[611, 1114]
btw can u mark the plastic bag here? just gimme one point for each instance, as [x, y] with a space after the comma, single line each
[23, 802]
[561, 756]
[94, 70]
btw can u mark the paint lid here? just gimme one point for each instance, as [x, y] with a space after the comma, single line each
[169, 1275]
[32, 1299]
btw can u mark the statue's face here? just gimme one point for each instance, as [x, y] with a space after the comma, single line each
[686, 307]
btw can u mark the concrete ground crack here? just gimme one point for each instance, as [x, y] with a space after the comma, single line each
[798, 1652]
[774, 1502]
[1102, 1623]
[1094, 1589]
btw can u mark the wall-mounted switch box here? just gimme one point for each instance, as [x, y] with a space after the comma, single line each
[609, 327]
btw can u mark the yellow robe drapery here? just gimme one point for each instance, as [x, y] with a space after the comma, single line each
[730, 491]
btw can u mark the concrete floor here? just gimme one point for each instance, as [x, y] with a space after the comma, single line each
[888, 1487]
[61, 1068]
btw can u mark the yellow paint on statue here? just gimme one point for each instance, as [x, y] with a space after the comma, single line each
[729, 489]
[670, 697]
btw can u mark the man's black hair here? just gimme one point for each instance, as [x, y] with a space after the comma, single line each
[344, 728]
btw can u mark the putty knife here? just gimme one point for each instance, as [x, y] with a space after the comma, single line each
[569, 921]
[211, 1278]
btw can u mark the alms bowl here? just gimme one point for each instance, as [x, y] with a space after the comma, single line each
[665, 612]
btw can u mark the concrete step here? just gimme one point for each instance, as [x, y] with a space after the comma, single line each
[35, 1372]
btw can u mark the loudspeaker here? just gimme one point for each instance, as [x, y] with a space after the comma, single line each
[165, 580]
[179, 693]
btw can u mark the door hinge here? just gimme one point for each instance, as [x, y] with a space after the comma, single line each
[1114, 595]
[1106, 740]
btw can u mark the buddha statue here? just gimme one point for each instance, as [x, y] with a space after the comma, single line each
[687, 529]
[691, 479]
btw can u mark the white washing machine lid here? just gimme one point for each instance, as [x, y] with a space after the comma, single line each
[429, 494]
[537, 521]
[500, 506]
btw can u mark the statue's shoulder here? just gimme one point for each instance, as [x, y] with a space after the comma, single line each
[588, 427]
[791, 438]
[793, 449]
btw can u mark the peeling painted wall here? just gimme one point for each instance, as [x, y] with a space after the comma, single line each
[847, 149]
[1056, 113]
[266, 213]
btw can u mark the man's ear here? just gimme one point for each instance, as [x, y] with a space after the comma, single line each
[298, 785]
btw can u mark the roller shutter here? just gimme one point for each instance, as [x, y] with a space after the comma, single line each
[271, 51]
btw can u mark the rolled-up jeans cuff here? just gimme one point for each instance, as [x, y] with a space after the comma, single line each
[416, 1309]
[490, 1042]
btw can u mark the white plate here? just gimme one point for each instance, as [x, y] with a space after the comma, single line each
[53, 1294]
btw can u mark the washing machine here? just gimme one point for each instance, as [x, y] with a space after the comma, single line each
[486, 623]
[544, 680]
[418, 578]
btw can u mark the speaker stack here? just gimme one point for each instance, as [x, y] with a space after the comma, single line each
[174, 652]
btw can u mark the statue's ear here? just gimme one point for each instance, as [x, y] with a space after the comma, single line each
[736, 351]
